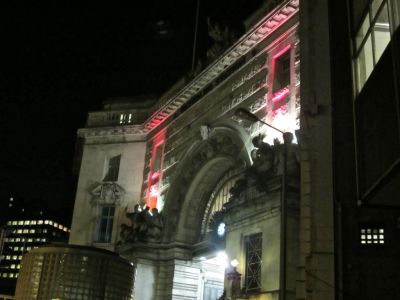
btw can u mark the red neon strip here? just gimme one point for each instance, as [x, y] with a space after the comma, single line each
[280, 53]
[155, 175]
[280, 95]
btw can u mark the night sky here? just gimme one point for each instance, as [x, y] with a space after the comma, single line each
[59, 63]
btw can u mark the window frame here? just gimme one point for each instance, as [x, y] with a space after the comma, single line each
[253, 243]
[107, 219]
[113, 167]
[367, 36]
[367, 233]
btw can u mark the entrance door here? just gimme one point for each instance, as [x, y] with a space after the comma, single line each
[212, 276]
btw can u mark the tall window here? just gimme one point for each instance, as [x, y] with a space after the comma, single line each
[253, 246]
[105, 224]
[281, 71]
[125, 119]
[157, 158]
[372, 38]
[113, 169]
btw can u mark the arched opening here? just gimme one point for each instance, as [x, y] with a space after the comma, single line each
[219, 196]
[191, 188]
[200, 188]
[209, 255]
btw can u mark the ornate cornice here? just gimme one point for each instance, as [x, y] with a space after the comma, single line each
[137, 130]
[244, 45]
[248, 42]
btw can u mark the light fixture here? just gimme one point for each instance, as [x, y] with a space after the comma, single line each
[221, 229]
[234, 263]
[244, 114]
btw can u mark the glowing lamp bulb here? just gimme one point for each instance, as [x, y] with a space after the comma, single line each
[234, 263]
[221, 229]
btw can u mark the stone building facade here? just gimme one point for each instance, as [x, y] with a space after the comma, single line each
[185, 185]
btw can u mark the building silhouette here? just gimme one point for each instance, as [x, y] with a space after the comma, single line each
[19, 237]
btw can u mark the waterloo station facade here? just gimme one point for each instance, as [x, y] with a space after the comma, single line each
[186, 186]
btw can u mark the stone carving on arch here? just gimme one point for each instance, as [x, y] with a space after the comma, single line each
[194, 180]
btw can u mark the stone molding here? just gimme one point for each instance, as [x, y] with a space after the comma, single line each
[247, 43]
[243, 46]
[106, 193]
[122, 130]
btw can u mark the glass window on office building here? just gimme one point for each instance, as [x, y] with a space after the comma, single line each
[371, 40]
[372, 235]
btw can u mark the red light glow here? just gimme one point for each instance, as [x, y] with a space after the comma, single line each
[153, 191]
[280, 95]
[280, 111]
[152, 202]
[280, 53]
[155, 176]
[155, 169]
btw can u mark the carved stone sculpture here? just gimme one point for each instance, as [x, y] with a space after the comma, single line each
[126, 234]
[238, 188]
[106, 193]
[146, 225]
[264, 161]
[155, 225]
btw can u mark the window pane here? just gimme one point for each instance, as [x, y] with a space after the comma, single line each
[375, 7]
[253, 262]
[372, 238]
[364, 63]
[395, 9]
[281, 72]
[381, 32]
[113, 169]
[105, 224]
[157, 159]
[362, 32]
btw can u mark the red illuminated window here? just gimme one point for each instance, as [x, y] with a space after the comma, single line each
[157, 159]
[281, 71]
[156, 165]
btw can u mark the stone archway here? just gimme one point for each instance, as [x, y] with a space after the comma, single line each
[198, 195]
[198, 174]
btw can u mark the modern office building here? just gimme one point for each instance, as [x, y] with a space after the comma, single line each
[188, 183]
[60, 271]
[19, 237]
[356, 64]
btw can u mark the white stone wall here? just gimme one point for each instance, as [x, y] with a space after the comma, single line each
[145, 277]
[316, 277]
[93, 168]
[267, 223]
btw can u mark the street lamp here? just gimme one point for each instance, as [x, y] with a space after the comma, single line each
[287, 138]
[246, 115]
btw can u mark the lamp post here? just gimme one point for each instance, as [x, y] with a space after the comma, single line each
[234, 278]
[287, 137]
